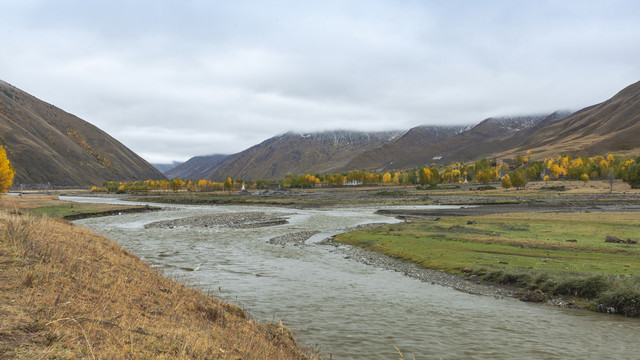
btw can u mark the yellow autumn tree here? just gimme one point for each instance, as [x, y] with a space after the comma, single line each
[584, 178]
[506, 181]
[203, 185]
[6, 171]
[556, 171]
[228, 184]
[177, 184]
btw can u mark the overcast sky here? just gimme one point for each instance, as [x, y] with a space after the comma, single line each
[175, 79]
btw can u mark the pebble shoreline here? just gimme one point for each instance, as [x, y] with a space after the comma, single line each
[416, 271]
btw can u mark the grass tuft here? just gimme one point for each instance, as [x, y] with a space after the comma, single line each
[17, 230]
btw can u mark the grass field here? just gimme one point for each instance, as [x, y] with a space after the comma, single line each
[516, 241]
[529, 250]
[50, 205]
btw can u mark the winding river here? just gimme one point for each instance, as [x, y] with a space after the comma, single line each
[352, 310]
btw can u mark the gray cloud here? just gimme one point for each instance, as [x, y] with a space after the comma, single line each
[176, 79]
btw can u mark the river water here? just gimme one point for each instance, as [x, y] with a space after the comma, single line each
[352, 310]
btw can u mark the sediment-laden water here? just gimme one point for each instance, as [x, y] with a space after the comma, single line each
[352, 310]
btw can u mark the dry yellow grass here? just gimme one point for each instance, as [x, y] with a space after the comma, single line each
[67, 293]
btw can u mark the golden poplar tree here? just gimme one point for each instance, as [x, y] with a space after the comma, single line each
[6, 171]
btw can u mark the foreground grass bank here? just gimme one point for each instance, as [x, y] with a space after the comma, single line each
[68, 293]
[544, 254]
[51, 206]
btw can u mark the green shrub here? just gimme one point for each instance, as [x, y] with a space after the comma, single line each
[584, 287]
[508, 278]
[632, 175]
[623, 295]
[391, 193]
[554, 188]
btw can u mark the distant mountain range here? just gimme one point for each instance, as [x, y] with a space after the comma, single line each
[47, 145]
[290, 153]
[163, 168]
[396, 154]
[612, 126]
[198, 167]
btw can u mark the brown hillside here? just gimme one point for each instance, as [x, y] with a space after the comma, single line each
[610, 127]
[197, 167]
[395, 153]
[48, 145]
[298, 154]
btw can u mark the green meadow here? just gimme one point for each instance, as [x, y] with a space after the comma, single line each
[557, 253]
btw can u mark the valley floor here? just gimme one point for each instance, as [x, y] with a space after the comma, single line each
[68, 293]
[545, 243]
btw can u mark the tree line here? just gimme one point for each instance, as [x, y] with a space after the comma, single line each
[515, 173]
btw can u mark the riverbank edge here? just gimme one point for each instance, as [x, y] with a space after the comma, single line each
[132, 210]
[416, 271]
[52, 309]
[606, 293]
[470, 285]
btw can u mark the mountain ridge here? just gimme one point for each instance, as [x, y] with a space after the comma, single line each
[610, 126]
[291, 153]
[48, 145]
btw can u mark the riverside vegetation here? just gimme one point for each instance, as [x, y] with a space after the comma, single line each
[68, 293]
[543, 254]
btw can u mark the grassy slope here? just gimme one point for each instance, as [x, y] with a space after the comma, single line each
[68, 293]
[528, 250]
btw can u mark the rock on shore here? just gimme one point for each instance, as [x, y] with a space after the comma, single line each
[295, 239]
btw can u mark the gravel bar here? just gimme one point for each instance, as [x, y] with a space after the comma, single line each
[245, 220]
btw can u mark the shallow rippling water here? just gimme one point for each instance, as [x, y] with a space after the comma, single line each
[352, 310]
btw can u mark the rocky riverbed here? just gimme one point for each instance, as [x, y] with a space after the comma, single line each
[245, 220]
[300, 238]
